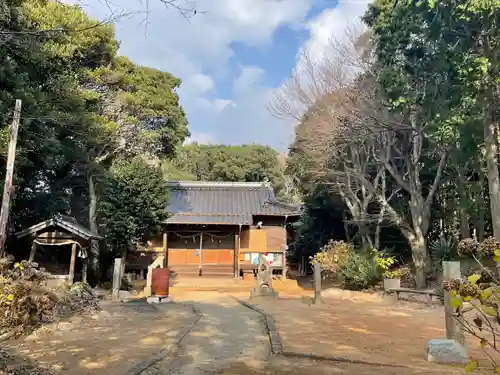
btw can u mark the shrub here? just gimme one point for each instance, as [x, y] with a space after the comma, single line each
[126, 284]
[480, 319]
[360, 272]
[26, 302]
[407, 278]
[488, 247]
[332, 256]
[384, 263]
[444, 249]
[468, 247]
[439, 293]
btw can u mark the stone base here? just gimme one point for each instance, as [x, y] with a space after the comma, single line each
[158, 299]
[268, 293]
[318, 300]
[446, 351]
[124, 294]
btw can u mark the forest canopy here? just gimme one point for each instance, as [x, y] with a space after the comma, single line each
[87, 114]
[99, 133]
[398, 131]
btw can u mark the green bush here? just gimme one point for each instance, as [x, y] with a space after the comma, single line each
[443, 249]
[360, 272]
[332, 257]
[440, 293]
[126, 284]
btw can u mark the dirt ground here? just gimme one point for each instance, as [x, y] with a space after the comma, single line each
[109, 342]
[223, 337]
[227, 332]
[362, 327]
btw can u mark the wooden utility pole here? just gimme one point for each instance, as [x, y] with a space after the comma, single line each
[9, 173]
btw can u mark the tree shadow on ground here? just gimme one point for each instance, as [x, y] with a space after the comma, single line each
[279, 365]
[128, 336]
[360, 330]
[14, 364]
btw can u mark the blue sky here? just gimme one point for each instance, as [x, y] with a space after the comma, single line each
[231, 58]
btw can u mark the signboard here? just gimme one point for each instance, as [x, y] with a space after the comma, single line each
[274, 259]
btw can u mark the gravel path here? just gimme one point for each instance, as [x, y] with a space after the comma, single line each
[227, 333]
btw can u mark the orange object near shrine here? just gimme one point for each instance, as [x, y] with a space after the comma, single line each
[160, 282]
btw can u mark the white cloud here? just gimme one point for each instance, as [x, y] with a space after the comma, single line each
[199, 51]
[334, 23]
[246, 120]
[212, 106]
[248, 78]
[327, 50]
[197, 84]
[220, 104]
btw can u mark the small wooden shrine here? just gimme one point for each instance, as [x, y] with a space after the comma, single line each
[60, 232]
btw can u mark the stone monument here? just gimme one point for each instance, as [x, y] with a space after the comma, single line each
[317, 284]
[452, 349]
[264, 288]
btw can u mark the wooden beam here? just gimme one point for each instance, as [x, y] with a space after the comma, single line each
[33, 252]
[85, 262]
[165, 249]
[9, 172]
[71, 277]
[283, 275]
[237, 253]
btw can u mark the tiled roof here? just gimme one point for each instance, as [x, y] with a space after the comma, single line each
[65, 222]
[223, 202]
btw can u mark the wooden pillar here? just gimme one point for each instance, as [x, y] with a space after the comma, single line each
[317, 284]
[71, 277]
[237, 253]
[33, 252]
[85, 262]
[451, 270]
[165, 249]
[200, 272]
[117, 278]
[285, 269]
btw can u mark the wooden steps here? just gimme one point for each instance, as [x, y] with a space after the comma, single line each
[181, 271]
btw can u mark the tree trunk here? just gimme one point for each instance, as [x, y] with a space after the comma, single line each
[364, 233]
[94, 247]
[480, 208]
[420, 256]
[492, 175]
[480, 224]
[346, 226]
[463, 211]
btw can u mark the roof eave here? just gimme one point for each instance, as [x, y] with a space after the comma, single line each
[203, 223]
[60, 223]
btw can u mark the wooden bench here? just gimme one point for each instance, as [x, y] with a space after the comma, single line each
[429, 293]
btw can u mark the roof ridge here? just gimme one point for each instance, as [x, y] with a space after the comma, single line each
[218, 184]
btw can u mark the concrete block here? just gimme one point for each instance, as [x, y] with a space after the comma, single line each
[123, 294]
[268, 293]
[446, 351]
[156, 299]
